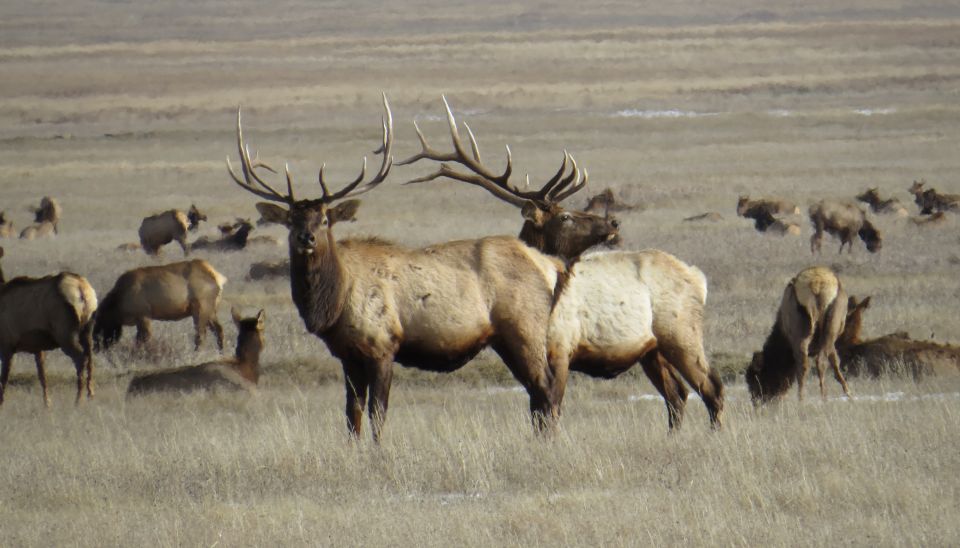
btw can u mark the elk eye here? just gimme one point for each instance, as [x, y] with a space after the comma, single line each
[566, 217]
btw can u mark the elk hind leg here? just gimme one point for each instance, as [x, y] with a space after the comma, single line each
[800, 358]
[671, 389]
[42, 375]
[143, 330]
[355, 383]
[684, 351]
[835, 365]
[530, 368]
[380, 376]
[217, 330]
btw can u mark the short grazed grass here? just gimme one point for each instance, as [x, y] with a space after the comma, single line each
[124, 109]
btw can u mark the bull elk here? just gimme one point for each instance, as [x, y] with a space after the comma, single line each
[809, 321]
[930, 201]
[374, 302]
[166, 292]
[890, 206]
[241, 372]
[46, 220]
[895, 353]
[611, 310]
[40, 314]
[158, 230]
[844, 221]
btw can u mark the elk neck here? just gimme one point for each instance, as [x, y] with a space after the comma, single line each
[778, 352]
[318, 284]
[249, 346]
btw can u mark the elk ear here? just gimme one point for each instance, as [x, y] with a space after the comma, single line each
[236, 316]
[261, 317]
[343, 212]
[532, 213]
[865, 303]
[274, 213]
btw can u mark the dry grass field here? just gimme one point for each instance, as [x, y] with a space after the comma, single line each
[122, 109]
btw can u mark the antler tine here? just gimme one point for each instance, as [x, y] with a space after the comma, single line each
[447, 171]
[385, 149]
[473, 143]
[248, 167]
[561, 196]
[546, 191]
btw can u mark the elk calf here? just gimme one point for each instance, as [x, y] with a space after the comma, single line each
[172, 225]
[242, 372]
[167, 292]
[844, 221]
[39, 314]
[809, 322]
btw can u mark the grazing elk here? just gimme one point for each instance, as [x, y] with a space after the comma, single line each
[241, 372]
[46, 220]
[6, 226]
[39, 314]
[845, 221]
[773, 206]
[809, 322]
[374, 303]
[167, 292]
[895, 353]
[172, 225]
[611, 309]
[764, 221]
[891, 206]
[929, 200]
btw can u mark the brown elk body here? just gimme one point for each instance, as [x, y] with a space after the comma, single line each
[809, 321]
[6, 226]
[774, 206]
[892, 354]
[930, 201]
[374, 303]
[234, 239]
[606, 202]
[611, 310]
[844, 221]
[242, 372]
[188, 289]
[46, 220]
[40, 314]
[173, 225]
[890, 206]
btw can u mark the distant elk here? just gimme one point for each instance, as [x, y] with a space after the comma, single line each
[188, 289]
[6, 226]
[892, 354]
[241, 372]
[234, 236]
[890, 206]
[809, 322]
[930, 201]
[40, 314]
[606, 202]
[611, 310]
[262, 270]
[765, 215]
[938, 218]
[46, 220]
[172, 225]
[844, 221]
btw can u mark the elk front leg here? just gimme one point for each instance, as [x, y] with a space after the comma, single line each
[143, 331]
[381, 377]
[217, 329]
[184, 246]
[355, 381]
[835, 365]
[800, 357]
[42, 375]
[5, 361]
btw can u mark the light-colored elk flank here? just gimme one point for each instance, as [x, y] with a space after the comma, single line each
[39, 314]
[46, 220]
[892, 354]
[845, 221]
[242, 372]
[890, 206]
[188, 289]
[809, 322]
[6, 226]
[374, 302]
[169, 226]
[611, 309]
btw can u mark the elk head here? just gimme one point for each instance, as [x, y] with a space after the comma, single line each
[194, 216]
[547, 225]
[871, 236]
[870, 196]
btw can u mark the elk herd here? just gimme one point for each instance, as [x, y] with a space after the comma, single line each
[544, 301]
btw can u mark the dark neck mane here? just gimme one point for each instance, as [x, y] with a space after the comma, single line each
[248, 356]
[318, 285]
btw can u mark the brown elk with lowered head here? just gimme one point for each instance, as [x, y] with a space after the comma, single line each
[930, 201]
[167, 292]
[547, 226]
[613, 309]
[39, 314]
[891, 206]
[844, 221]
[158, 230]
[46, 220]
[373, 302]
[242, 372]
[809, 321]
[895, 353]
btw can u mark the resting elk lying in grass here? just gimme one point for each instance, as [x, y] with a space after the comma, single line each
[930, 201]
[242, 372]
[46, 220]
[158, 230]
[774, 206]
[890, 206]
[845, 221]
[809, 322]
[39, 314]
[613, 309]
[373, 302]
[167, 292]
[895, 353]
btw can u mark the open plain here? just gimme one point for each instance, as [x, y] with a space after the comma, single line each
[124, 109]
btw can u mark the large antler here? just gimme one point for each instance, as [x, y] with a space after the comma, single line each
[555, 190]
[254, 183]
